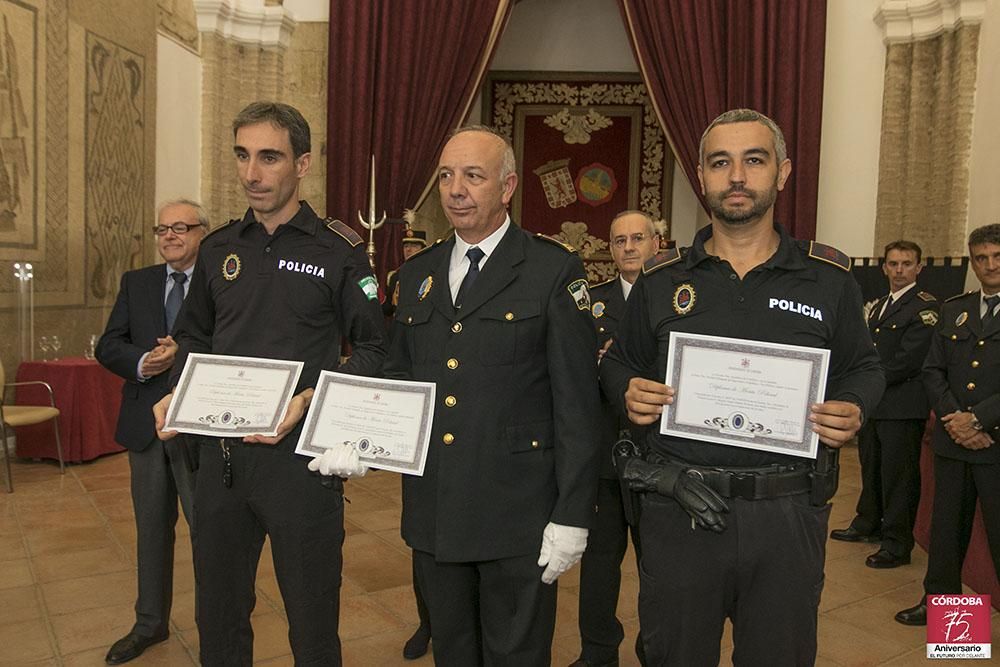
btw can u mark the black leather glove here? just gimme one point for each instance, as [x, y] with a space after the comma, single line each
[703, 505]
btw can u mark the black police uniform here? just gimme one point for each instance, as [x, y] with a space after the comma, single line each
[962, 373]
[765, 571]
[391, 293]
[600, 570]
[889, 442]
[514, 440]
[291, 295]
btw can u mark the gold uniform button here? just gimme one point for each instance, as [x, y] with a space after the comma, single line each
[877, 329]
[954, 337]
[601, 330]
[409, 320]
[456, 327]
[534, 444]
[453, 363]
[975, 364]
[970, 386]
[450, 401]
[980, 343]
[893, 326]
[509, 316]
[448, 438]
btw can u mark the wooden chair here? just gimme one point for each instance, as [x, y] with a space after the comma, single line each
[26, 415]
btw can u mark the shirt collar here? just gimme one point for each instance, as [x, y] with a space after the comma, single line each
[487, 245]
[189, 271]
[896, 295]
[785, 257]
[626, 286]
[305, 220]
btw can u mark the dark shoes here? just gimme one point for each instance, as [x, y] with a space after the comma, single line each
[914, 615]
[883, 560]
[416, 646]
[131, 647]
[850, 534]
[580, 662]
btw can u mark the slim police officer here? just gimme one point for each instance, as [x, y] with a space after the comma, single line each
[500, 320]
[901, 324]
[962, 378]
[279, 283]
[633, 241]
[730, 531]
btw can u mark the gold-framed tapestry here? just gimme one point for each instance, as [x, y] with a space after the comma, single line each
[588, 145]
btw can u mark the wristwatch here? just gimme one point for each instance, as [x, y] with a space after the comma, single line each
[975, 423]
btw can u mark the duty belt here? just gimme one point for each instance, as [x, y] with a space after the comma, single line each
[772, 481]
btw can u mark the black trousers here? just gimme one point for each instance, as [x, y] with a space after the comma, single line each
[765, 573]
[600, 576]
[488, 613]
[273, 494]
[957, 486]
[160, 475]
[889, 450]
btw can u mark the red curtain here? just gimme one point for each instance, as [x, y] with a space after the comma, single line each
[402, 74]
[702, 57]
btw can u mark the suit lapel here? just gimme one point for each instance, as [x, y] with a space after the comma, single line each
[974, 322]
[440, 294]
[496, 275]
[157, 289]
[875, 319]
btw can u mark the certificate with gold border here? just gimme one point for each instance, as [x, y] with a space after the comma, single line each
[744, 393]
[388, 422]
[231, 397]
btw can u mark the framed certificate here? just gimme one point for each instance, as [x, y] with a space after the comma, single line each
[387, 421]
[744, 393]
[231, 397]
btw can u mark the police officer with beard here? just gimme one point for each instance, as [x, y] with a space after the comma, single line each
[730, 531]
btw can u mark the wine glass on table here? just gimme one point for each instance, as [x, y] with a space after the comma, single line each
[56, 345]
[43, 345]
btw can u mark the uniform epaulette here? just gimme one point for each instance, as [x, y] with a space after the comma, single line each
[661, 259]
[959, 296]
[345, 232]
[389, 275]
[830, 255]
[565, 246]
[602, 284]
[424, 249]
[221, 227]
[926, 296]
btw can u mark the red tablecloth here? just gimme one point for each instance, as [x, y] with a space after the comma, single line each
[978, 573]
[88, 397]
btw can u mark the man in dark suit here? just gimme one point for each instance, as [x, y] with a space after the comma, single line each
[500, 320]
[901, 325]
[137, 345]
[962, 379]
[633, 241]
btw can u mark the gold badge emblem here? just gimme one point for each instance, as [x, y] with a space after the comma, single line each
[425, 288]
[960, 320]
[684, 298]
[231, 266]
[597, 309]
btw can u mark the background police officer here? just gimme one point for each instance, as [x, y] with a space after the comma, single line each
[413, 242]
[280, 283]
[962, 378]
[765, 570]
[633, 241]
[500, 320]
[901, 324]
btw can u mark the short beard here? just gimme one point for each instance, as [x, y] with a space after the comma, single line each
[762, 201]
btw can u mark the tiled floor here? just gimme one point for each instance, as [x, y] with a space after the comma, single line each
[67, 581]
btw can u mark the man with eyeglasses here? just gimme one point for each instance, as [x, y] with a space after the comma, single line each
[138, 345]
[633, 241]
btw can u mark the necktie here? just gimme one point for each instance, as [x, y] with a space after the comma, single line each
[175, 298]
[991, 304]
[886, 306]
[475, 255]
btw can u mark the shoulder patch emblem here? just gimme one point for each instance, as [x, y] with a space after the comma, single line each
[926, 296]
[369, 286]
[345, 232]
[565, 246]
[661, 259]
[830, 255]
[929, 317]
[578, 290]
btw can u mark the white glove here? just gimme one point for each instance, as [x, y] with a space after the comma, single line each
[562, 548]
[341, 460]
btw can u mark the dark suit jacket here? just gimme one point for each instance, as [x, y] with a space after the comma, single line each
[136, 321]
[902, 336]
[514, 443]
[608, 307]
[962, 373]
